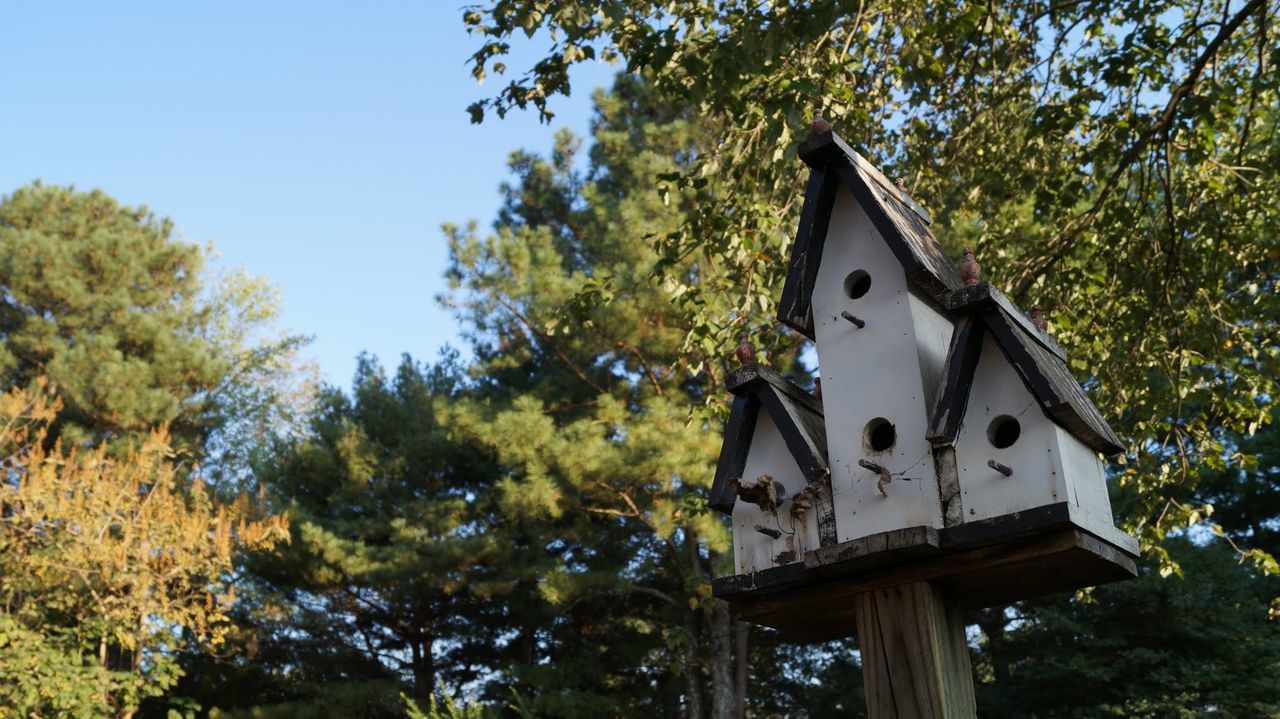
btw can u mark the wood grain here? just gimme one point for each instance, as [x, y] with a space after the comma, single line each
[915, 661]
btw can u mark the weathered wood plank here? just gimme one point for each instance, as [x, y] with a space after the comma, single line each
[957, 376]
[915, 661]
[808, 447]
[733, 452]
[825, 507]
[811, 604]
[949, 496]
[898, 545]
[1058, 392]
[794, 307]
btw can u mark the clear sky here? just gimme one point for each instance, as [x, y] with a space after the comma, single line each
[319, 144]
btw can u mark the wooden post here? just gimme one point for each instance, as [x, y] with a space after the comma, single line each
[915, 660]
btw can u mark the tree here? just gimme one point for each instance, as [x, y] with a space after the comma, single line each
[394, 557]
[1189, 646]
[592, 409]
[1136, 208]
[104, 562]
[119, 320]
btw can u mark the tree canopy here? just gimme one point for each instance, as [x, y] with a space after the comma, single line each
[1113, 162]
[104, 563]
[124, 323]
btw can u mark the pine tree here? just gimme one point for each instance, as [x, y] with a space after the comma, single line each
[394, 560]
[123, 322]
[606, 418]
[1194, 645]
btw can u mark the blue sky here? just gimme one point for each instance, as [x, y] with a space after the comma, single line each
[319, 144]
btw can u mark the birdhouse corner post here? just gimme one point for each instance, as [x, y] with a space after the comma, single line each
[945, 461]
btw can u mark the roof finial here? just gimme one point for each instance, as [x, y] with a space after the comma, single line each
[970, 270]
[1037, 318]
[819, 125]
[745, 353]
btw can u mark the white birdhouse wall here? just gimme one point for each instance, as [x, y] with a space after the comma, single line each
[1004, 422]
[1086, 485]
[874, 378]
[752, 550]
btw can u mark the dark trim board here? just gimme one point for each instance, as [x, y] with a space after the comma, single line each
[733, 452]
[957, 377]
[986, 563]
[1057, 390]
[795, 307]
[761, 581]
[982, 297]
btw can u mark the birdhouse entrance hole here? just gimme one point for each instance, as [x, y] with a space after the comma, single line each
[880, 435]
[1004, 431]
[857, 284]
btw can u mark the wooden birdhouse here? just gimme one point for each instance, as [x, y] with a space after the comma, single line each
[951, 443]
[768, 474]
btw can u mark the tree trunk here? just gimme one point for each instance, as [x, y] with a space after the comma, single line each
[723, 703]
[424, 668]
[692, 668]
[742, 663]
[992, 623]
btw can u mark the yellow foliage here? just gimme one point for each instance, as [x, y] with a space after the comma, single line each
[118, 553]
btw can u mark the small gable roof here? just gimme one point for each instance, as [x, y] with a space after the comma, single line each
[796, 413]
[898, 218]
[1037, 358]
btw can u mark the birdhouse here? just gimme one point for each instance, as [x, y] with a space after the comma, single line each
[769, 475]
[951, 442]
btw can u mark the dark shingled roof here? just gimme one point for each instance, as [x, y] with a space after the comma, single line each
[902, 222]
[1038, 359]
[796, 413]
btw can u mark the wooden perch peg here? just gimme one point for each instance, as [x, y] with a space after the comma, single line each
[768, 531]
[850, 316]
[1001, 468]
[868, 464]
[885, 476]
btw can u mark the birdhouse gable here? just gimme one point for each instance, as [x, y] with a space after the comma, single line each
[899, 220]
[1039, 362]
[794, 414]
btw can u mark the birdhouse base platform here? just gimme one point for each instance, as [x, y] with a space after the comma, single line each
[978, 564]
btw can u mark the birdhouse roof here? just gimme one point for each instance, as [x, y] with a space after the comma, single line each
[1037, 358]
[796, 413]
[898, 218]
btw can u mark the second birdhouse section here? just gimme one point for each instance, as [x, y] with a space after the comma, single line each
[771, 476]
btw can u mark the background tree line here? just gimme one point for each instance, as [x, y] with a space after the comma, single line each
[527, 526]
